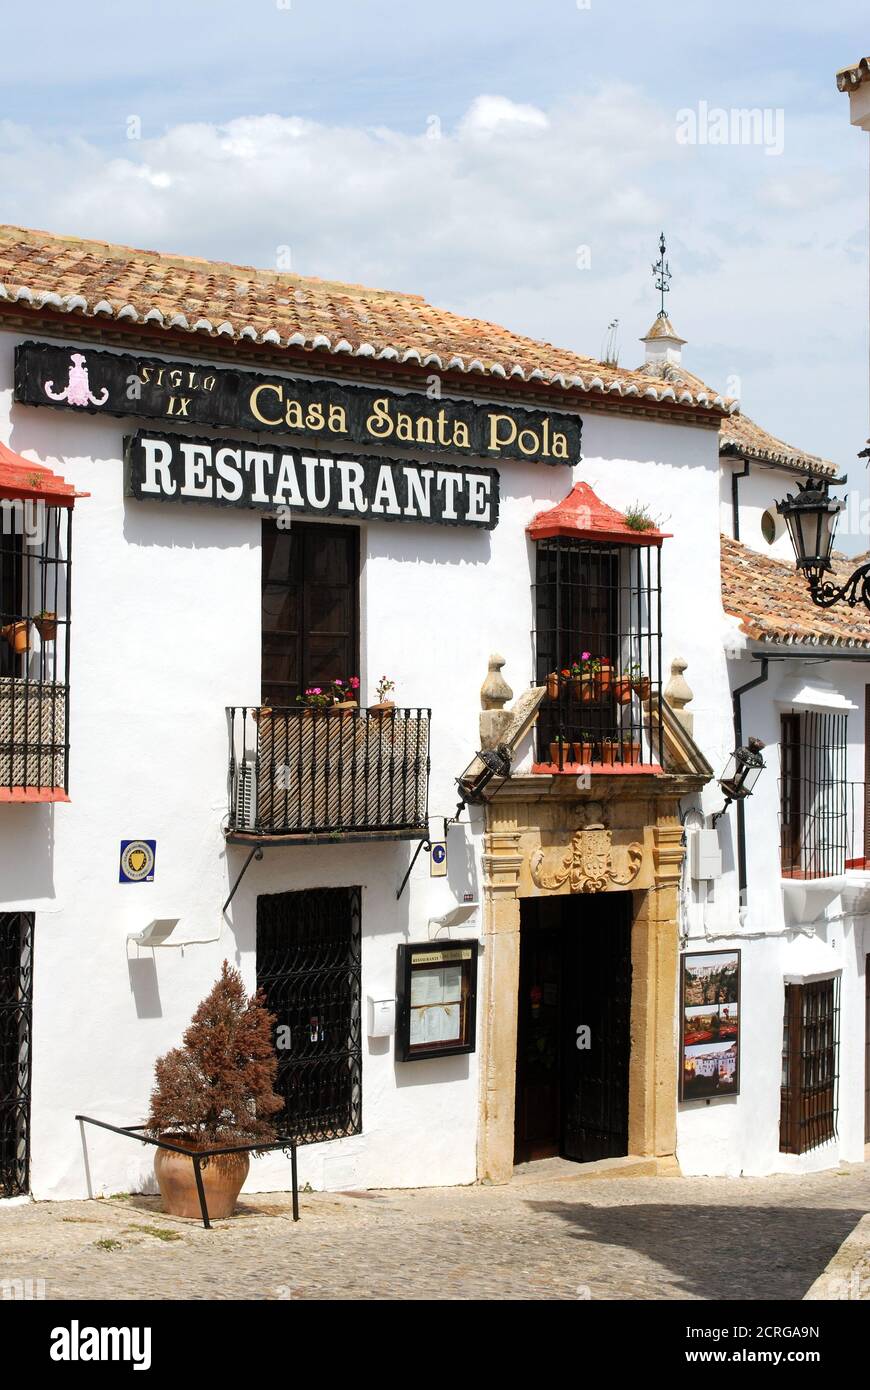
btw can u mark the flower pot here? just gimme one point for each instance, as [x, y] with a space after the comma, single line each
[605, 674]
[582, 752]
[622, 689]
[17, 635]
[565, 750]
[385, 707]
[553, 685]
[264, 712]
[587, 688]
[46, 626]
[641, 687]
[342, 707]
[222, 1179]
[609, 751]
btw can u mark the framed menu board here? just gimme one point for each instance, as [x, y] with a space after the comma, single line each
[436, 999]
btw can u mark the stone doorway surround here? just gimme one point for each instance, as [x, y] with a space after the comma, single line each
[544, 836]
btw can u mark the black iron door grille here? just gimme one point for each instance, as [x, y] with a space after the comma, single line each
[308, 964]
[16, 996]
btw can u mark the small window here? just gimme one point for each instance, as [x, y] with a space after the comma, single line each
[768, 527]
[810, 1055]
[813, 795]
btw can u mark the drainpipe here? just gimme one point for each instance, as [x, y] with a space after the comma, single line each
[735, 511]
[738, 742]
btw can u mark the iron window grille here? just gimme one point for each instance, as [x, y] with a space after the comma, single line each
[308, 965]
[604, 600]
[813, 795]
[304, 771]
[35, 559]
[16, 996]
[810, 1062]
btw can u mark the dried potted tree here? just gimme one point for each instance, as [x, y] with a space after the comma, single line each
[385, 705]
[214, 1091]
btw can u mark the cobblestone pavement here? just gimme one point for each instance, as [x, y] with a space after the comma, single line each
[541, 1237]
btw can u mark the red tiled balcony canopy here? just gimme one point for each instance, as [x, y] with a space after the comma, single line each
[583, 516]
[24, 480]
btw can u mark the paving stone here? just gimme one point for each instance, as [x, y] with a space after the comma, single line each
[540, 1238]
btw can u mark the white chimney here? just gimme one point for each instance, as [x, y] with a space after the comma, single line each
[663, 344]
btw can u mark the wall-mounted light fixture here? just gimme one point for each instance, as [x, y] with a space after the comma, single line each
[743, 770]
[811, 517]
[496, 763]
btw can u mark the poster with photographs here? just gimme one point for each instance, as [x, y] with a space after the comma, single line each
[710, 1012]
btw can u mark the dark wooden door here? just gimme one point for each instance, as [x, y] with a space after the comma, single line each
[575, 972]
[310, 608]
[539, 1031]
[598, 984]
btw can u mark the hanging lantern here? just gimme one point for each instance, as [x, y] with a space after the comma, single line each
[496, 763]
[811, 518]
[744, 768]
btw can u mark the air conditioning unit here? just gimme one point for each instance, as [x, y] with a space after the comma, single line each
[246, 795]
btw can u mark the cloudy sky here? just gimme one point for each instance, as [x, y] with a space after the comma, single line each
[513, 161]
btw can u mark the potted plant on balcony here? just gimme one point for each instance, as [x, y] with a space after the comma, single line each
[344, 691]
[214, 1091]
[46, 625]
[640, 683]
[585, 749]
[384, 705]
[555, 682]
[17, 635]
[560, 749]
[590, 677]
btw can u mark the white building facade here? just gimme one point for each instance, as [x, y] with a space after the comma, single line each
[275, 483]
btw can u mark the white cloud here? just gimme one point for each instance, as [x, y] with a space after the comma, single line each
[487, 218]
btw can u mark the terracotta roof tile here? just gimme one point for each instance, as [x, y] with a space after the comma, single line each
[772, 601]
[184, 294]
[741, 436]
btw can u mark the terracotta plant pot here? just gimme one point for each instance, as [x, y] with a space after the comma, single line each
[582, 752]
[609, 751]
[587, 688]
[264, 712]
[622, 689]
[641, 687]
[17, 635]
[605, 675]
[385, 707]
[342, 707]
[554, 685]
[222, 1178]
[46, 626]
[554, 752]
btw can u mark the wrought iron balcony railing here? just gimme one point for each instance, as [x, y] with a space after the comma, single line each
[309, 772]
[608, 718]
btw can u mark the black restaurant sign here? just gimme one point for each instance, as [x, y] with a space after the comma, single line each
[333, 416]
[237, 473]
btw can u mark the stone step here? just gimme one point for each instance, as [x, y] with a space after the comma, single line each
[565, 1170]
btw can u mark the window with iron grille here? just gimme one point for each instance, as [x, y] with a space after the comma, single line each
[16, 993]
[598, 652]
[308, 964]
[810, 1061]
[34, 648]
[813, 795]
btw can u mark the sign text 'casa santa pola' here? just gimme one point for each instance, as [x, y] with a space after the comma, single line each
[333, 414]
[236, 473]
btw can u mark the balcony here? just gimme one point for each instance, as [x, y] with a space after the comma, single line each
[36, 508]
[607, 720]
[328, 774]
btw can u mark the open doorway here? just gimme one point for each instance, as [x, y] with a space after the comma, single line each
[573, 1027]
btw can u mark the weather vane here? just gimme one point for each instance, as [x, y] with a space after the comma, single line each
[662, 273]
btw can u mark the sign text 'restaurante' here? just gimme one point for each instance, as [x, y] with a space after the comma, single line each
[333, 414]
[234, 473]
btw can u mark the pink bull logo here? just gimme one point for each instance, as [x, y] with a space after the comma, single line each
[78, 389]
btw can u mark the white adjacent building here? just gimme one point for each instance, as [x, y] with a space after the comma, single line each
[472, 911]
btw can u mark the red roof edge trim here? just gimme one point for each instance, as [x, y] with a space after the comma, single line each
[22, 480]
[583, 515]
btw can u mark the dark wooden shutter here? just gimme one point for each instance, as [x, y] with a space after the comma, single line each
[310, 608]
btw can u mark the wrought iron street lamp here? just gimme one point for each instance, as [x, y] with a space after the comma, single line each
[811, 517]
[745, 766]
